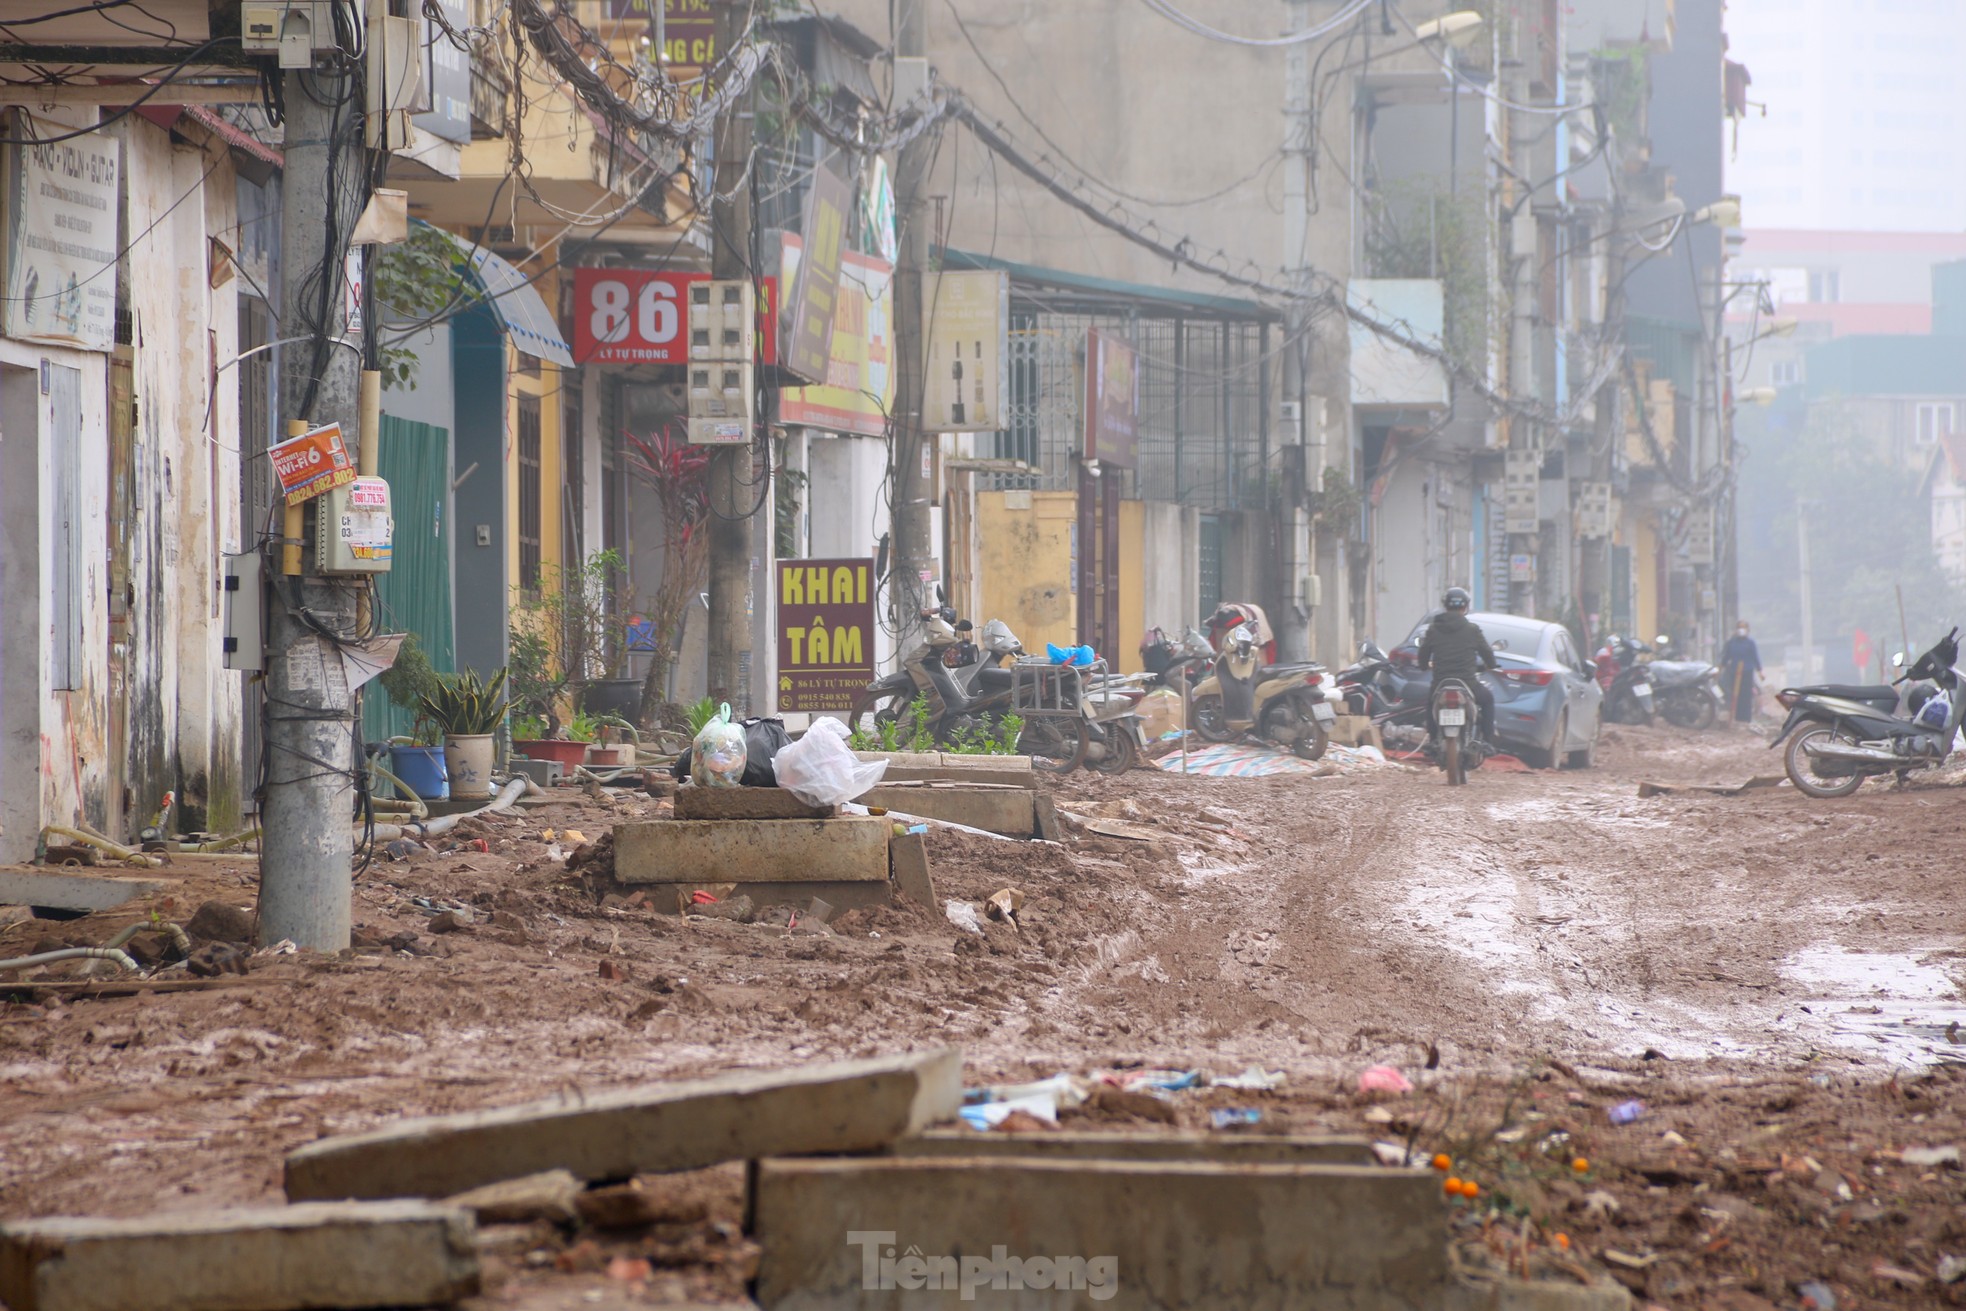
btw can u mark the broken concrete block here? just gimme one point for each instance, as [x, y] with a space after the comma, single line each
[852, 849]
[852, 1106]
[216, 921]
[1103, 1145]
[838, 1234]
[1538, 1295]
[908, 856]
[941, 767]
[1011, 811]
[1048, 826]
[634, 1205]
[84, 892]
[549, 1195]
[693, 802]
[265, 1259]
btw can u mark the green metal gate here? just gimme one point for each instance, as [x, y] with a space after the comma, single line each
[415, 595]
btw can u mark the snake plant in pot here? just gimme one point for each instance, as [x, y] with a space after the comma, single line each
[469, 710]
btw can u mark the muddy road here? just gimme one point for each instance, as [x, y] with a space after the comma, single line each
[1689, 945]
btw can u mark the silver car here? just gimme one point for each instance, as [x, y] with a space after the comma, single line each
[1547, 700]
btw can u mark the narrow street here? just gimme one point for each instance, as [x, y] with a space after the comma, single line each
[1677, 949]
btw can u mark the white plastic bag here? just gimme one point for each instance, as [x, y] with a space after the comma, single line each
[719, 756]
[821, 770]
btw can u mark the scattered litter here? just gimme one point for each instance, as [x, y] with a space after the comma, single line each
[1138, 1102]
[1383, 1079]
[1064, 1089]
[1390, 1153]
[574, 836]
[1614, 1257]
[1626, 1112]
[1816, 1296]
[478, 844]
[1162, 1081]
[555, 852]
[963, 915]
[988, 1115]
[1003, 904]
[1228, 1117]
[1599, 1205]
[1930, 1156]
[400, 849]
[1253, 1079]
[1897, 1275]
[1379, 1115]
[284, 947]
[1952, 1269]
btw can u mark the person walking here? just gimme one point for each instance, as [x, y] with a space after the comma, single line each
[1740, 670]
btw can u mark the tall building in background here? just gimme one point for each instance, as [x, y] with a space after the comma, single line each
[1865, 115]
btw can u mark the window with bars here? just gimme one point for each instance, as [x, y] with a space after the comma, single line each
[529, 515]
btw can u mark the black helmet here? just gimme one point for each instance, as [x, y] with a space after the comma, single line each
[1457, 598]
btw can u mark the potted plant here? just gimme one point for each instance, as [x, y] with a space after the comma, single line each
[468, 711]
[532, 737]
[416, 761]
[605, 754]
[564, 638]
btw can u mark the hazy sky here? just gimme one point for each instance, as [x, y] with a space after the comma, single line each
[1866, 112]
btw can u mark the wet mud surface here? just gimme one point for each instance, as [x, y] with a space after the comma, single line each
[1777, 980]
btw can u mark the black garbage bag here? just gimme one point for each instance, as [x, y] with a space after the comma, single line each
[764, 738]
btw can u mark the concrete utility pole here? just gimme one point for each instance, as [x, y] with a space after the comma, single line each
[309, 804]
[911, 578]
[1522, 325]
[1293, 618]
[731, 493]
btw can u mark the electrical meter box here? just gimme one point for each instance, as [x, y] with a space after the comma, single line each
[719, 432]
[723, 320]
[354, 531]
[721, 389]
[245, 631]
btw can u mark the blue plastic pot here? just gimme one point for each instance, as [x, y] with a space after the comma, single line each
[422, 768]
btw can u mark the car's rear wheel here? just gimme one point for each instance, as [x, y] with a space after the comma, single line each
[1552, 756]
[1584, 757]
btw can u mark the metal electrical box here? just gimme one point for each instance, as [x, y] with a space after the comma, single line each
[245, 633]
[721, 389]
[354, 531]
[296, 30]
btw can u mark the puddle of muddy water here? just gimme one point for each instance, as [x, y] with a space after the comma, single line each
[1897, 1006]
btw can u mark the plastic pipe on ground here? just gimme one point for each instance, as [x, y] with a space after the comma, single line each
[71, 953]
[507, 796]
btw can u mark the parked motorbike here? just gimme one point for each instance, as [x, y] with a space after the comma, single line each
[887, 699]
[1452, 742]
[1628, 685]
[1836, 742]
[1054, 742]
[1687, 692]
[1282, 704]
[1118, 739]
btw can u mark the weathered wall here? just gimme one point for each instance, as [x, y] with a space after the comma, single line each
[183, 721]
[1026, 546]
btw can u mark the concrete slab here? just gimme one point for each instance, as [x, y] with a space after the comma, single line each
[342, 1254]
[847, 850]
[62, 891]
[1047, 814]
[907, 855]
[1538, 1295]
[851, 1106]
[1338, 1238]
[693, 802]
[674, 898]
[937, 766]
[1220, 1149]
[1011, 811]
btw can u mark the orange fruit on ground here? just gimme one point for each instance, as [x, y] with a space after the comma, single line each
[1443, 1163]
[1562, 1241]
[1452, 1187]
[1580, 1165]
[1470, 1189]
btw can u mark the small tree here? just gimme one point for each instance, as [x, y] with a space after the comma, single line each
[678, 474]
[566, 631]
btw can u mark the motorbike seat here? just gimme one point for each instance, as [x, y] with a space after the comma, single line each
[1875, 694]
[994, 680]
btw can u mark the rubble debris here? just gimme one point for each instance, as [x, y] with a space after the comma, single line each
[844, 1107]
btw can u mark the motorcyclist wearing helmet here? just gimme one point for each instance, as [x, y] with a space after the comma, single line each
[1454, 647]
